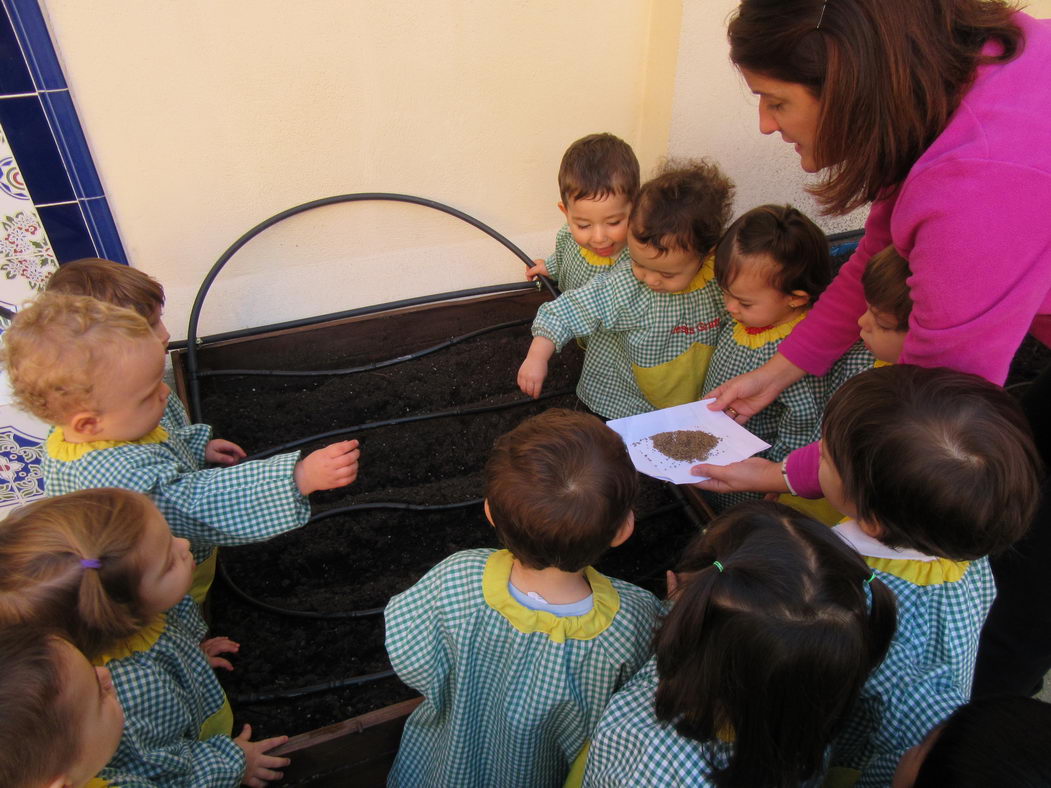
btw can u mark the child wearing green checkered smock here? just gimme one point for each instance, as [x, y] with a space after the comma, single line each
[517, 651]
[102, 568]
[597, 182]
[937, 470]
[772, 264]
[767, 604]
[651, 323]
[95, 371]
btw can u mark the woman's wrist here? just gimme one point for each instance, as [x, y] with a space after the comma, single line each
[783, 373]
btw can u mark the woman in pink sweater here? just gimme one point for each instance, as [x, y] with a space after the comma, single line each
[939, 114]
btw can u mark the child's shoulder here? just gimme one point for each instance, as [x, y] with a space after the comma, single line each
[635, 601]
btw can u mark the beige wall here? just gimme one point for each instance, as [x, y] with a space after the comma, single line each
[206, 117]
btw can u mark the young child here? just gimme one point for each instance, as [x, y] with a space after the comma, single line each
[652, 322]
[61, 719]
[938, 470]
[772, 264]
[597, 181]
[102, 567]
[775, 626]
[95, 372]
[992, 741]
[516, 651]
[885, 323]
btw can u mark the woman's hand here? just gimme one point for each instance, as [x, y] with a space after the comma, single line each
[744, 396]
[752, 475]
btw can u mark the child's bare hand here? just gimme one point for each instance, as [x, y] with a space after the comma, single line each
[213, 647]
[223, 452]
[328, 468]
[531, 376]
[259, 767]
[538, 268]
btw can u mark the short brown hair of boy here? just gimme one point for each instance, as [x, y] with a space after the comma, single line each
[774, 607]
[559, 485]
[941, 460]
[57, 347]
[685, 206]
[39, 733]
[44, 582]
[796, 245]
[884, 283]
[597, 166]
[120, 285]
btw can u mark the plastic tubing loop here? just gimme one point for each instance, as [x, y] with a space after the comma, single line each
[198, 303]
[390, 362]
[247, 598]
[353, 681]
[404, 420]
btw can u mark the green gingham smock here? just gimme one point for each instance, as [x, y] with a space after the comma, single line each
[572, 266]
[170, 698]
[510, 694]
[631, 748]
[929, 667]
[646, 350]
[793, 420]
[249, 502]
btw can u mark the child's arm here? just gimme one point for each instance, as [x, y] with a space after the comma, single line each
[260, 768]
[538, 268]
[334, 466]
[533, 372]
[223, 452]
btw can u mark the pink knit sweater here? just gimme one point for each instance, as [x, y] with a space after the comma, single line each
[973, 218]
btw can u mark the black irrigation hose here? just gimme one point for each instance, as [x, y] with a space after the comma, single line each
[296, 692]
[390, 362]
[405, 420]
[198, 303]
[411, 507]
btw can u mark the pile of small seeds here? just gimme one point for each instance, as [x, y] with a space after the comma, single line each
[685, 445]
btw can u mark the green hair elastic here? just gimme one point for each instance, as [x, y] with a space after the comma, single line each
[870, 578]
[718, 566]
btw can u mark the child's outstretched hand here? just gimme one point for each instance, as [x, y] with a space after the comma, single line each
[533, 371]
[213, 647]
[328, 468]
[259, 767]
[538, 268]
[223, 452]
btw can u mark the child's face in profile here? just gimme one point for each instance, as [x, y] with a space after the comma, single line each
[167, 565]
[663, 272]
[879, 332]
[130, 398]
[752, 301]
[158, 327]
[88, 695]
[599, 225]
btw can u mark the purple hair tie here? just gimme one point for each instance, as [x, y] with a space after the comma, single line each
[91, 563]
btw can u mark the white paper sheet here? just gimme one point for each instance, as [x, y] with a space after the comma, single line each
[736, 443]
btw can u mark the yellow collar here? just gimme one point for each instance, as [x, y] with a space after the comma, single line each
[704, 275]
[594, 259]
[756, 338]
[97, 782]
[58, 448]
[921, 573]
[495, 578]
[143, 640]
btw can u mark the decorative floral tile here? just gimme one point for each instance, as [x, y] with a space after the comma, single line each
[21, 478]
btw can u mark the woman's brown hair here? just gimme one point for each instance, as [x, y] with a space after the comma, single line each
[43, 578]
[889, 74]
[770, 640]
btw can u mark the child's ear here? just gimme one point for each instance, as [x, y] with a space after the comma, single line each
[872, 528]
[627, 528]
[62, 781]
[798, 298]
[85, 422]
[488, 514]
[562, 208]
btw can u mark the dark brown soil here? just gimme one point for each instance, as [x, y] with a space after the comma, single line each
[359, 559]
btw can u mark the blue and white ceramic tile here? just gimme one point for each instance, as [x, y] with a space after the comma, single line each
[21, 479]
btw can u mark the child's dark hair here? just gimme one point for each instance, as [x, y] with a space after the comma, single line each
[884, 283]
[773, 645]
[111, 282]
[993, 741]
[597, 166]
[685, 206]
[941, 460]
[789, 238]
[560, 485]
[43, 580]
[39, 733]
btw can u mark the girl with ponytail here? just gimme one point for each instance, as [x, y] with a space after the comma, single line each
[102, 568]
